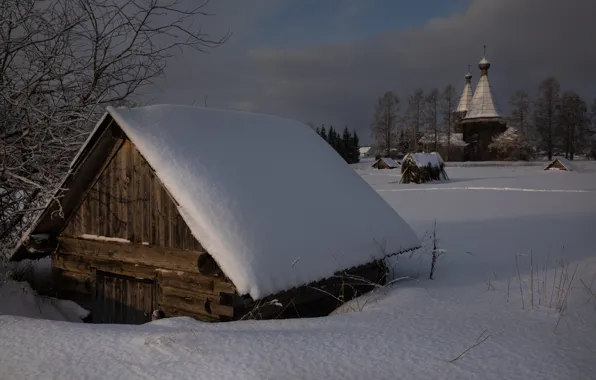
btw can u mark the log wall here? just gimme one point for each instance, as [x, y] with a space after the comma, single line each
[181, 290]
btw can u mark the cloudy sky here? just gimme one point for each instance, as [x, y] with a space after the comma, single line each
[327, 61]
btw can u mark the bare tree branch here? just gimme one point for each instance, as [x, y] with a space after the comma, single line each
[61, 63]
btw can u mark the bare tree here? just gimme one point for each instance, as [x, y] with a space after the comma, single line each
[520, 112]
[545, 113]
[431, 114]
[448, 104]
[414, 118]
[573, 114]
[61, 63]
[592, 130]
[385, 122]
[519, 118]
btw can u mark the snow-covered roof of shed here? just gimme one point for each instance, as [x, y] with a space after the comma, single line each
[389, 161]
[267, 227]
[424, 159]
[565, 162]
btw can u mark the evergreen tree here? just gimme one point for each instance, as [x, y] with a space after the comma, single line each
[403, 143]
[355, 148]
[331, 137]
[346, 146]
[324, 133]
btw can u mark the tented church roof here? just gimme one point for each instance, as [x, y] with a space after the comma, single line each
[465, 102]
[483, 105]
[269, 227]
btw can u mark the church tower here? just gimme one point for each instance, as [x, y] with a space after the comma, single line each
[465, 101]
[482, 120]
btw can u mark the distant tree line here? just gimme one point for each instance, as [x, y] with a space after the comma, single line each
[552, 123]
[346, 144]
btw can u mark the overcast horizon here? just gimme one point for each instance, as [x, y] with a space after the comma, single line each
[328, 62]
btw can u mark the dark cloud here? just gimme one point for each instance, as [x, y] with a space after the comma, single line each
[527, 40]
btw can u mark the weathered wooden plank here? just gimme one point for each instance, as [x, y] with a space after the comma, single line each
[167, 258]
[194, 281]
[80, 264]
[129, 201]
[203, 301]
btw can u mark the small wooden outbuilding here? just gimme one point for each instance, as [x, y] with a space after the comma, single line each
[155, 215]
[385, 163]
[422, 167]
[561, 163]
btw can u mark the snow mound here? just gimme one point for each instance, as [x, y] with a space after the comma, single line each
[241, 214]
[19, 299]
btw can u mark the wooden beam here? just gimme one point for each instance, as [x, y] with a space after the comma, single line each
[158, 257]
[193, 300]
[85, 265]
[202, 283]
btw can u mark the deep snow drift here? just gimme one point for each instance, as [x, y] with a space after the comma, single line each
[472, 311]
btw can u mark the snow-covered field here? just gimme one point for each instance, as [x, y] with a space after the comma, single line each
[488, 219]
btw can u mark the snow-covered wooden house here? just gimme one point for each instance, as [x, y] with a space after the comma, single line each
[155, 214]
[561, 163]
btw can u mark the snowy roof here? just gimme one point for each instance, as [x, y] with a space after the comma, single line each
[483, 103]
[364, 149]
[424, 159]
[389, 161]
[465, 101]
[268, 228]
[457, 139]
[565, 162]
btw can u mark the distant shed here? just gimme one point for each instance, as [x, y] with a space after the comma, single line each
[385, 163]
[422, 167]
[158, 216]
[561, 163]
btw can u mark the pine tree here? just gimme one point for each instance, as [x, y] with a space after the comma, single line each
[324, 133]
[331, 137]
[403, 143]
[346, 145]
[355, 148]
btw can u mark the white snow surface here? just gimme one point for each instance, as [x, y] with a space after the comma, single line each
[17, 298]
[257, 219]
[411, 330]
